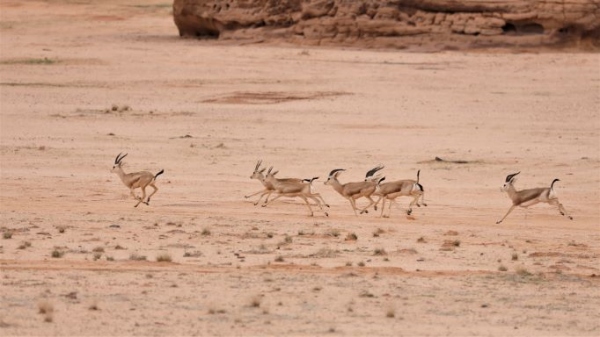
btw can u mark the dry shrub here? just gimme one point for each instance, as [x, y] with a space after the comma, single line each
[164, 257]
[325, 253]
[47, 309]
[379, 252]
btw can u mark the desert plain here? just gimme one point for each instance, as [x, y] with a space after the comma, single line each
[82, 81]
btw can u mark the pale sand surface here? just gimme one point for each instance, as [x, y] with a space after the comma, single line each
[205, 112]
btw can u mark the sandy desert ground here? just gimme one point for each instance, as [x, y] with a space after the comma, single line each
[81, 81]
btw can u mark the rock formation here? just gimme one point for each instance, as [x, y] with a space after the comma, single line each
[429, 24]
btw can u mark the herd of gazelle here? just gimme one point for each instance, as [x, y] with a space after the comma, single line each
[372, 186]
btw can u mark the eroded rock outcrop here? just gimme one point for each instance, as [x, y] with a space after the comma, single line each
[434, 24]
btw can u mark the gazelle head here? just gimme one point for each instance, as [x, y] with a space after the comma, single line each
[118, 162]
[510, 179]
[370, 176]
[333, 175]
[258, 172]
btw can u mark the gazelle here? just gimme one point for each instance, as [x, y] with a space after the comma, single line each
[258, 174]
[292, 187]
[530, 197]
[355, 190]
[400, 188]
[135, 180]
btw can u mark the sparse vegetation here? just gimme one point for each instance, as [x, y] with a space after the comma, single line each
[279, 258]
[7, 235]
[390, 313]
[98, 249]
[502, 268]
[119, 247]
[47, 309]
[30, 61]
[164, 257]
[205, 232]
[421, 240]
[196, 253]
[61, 229]
[97, 256]
[521, 271]
[379, 252]
[57, 254]
[325, 253]
[333, 232]
[213, 311]
[255, 302]
[24, 244]
[361, 264]
[378, 232]
[515, 256]
[137, 257]
[366, 293]
[302, 232]
[351, 237]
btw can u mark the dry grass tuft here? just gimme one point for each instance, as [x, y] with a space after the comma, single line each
[24, 244]
[47, 309]
[57, 254]
[378, 232]
[255, 302]
[521, 271]
[379, 252]
[164, 257]
[325, 253]
[137, 257]
[94, 306]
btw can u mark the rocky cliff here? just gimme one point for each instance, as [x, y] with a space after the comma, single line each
[428, 24]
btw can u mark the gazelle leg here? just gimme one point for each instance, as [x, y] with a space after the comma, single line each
[415, 201]
[315, 198]
[390, 208]
[423, 198]
[561, 208]
[307, 205]
[507, 213]
[151, 194]
[140, 200]
[270, 201]
[267, 193]
[253, 194]
[371, 202]
[318, 195]
[382, 205]
[353, 204]
[268, 196]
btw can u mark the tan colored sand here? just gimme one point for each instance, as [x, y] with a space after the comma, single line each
[205, 112]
